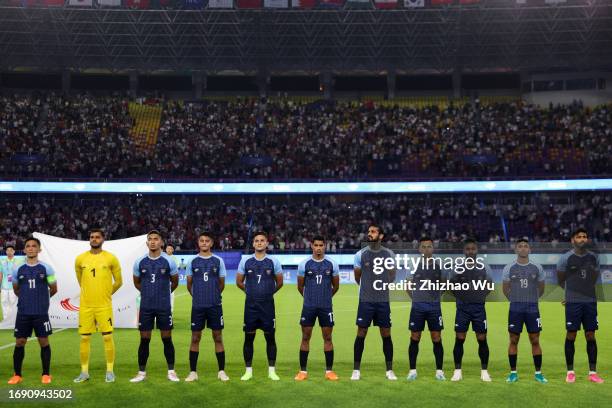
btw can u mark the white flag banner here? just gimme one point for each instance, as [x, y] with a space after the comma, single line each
[414, 3]
[82, 3]
[220, 4]
[276, 3]
[60, 253]
[110, 3]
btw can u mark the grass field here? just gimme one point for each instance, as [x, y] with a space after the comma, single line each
[372, 389]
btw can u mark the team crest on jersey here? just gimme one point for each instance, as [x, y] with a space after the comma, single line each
[21, 276]
[143, 271]
[214, 269]
[163, 270]
[268, 271]
[327, 272]
[41, 275]
[250, 271]
[309, 272]
[196, 270]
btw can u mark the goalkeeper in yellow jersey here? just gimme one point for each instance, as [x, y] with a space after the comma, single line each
[99, 275]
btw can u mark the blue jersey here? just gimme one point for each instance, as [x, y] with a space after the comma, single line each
[427, 274]
[205, 273]
[318, 281]
[154, 274]
[260, 276]
[33, 282]
[524, 283]
[581, 276]
[369, 261]
[471, 276]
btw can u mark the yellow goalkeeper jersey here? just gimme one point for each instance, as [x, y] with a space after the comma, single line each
[99, 276]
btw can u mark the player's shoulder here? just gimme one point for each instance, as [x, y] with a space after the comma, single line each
[168, 258]
[361, 251]
[592, 254]
[387, 251]
[331, 260]
[218, 259]
[536, 265]
[109, 255]
[45, 265]
[273, 259]
[82, 255]
[511, 264]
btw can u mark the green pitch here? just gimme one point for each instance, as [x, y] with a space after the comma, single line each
[316, 392]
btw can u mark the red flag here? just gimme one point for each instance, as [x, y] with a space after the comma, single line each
[385, 4]
[248, 4]
[53, 3]
[138, 4]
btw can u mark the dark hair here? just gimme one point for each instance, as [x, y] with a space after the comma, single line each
[318, 238]
[155, 232]
[169, 244]
[378, 227]
[580, 231]
[9, 246]
[525, 240]
[256, 233]
[425, 238]
[99, 230]
[31, 239]
[469, 241]
[207, 234]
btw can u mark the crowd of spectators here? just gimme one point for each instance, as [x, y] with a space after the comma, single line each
[291, 222]
[86, 136]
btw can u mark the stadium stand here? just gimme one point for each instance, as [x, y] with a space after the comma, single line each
[85, 136]
[291, 221]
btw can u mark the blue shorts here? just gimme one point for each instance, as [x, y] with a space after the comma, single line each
[474, 313]
[421, 312]
[259, 314]
[211, 317]
[148, 318]
[377, 312]
[311, 314]
[40, 324]
[529, 318]
[577, 314]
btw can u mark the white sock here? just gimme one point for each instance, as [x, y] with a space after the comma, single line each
[512, 372]
[592, 372]
[326, 371]
[412, 371]
[538, 372]
[570, 372]
[142, 373]
[484, 370]
[249, 370]
[439, 372]
[271, 369]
